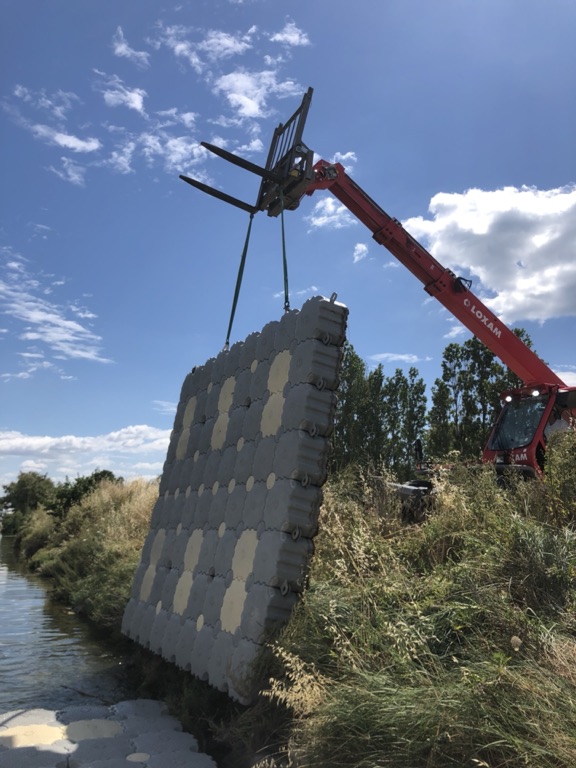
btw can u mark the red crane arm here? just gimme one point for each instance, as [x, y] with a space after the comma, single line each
[451, 291]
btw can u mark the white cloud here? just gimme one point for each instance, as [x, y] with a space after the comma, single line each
[178, 153]
[172, 116]
[121, 48]
[347, 159]
[23, 93]
[133, 439]
[71, 454]
[273, 61]
[396, 357]
[518, 242]
[82, 312]
[170, 136]
[31, 465]
[120, 159]
[56, 104]
[47, 325]
[360, 252]
[312, 290]
[229, 122]
[328, 212]
[65, 140]
[568, 376]
[248, 92]
[291, 35]
[165, 406]
[31, 367]
[151, 469]
[39, 230]
[215, 46]
[116, 94]
[70, 171]
[456, 331]
[188, 118]
[159, 142]
[222, 45]
[175, 38]
[254, 146]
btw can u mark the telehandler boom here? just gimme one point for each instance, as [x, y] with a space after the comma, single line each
[543, 404]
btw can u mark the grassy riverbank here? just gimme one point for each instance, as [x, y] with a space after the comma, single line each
[452, 643]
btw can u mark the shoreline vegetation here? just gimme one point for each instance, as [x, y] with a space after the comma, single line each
[449, 643]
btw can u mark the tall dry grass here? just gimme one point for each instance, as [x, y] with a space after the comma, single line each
[91, 554]
[445, 644]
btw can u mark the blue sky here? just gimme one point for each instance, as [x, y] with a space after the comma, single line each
[117, 278]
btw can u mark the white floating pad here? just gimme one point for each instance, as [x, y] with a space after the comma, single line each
[231, 533]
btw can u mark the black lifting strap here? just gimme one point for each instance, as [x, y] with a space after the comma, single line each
[284, 260]
[239, 282]
[241, 271]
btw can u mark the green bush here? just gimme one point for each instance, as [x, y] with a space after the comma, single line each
[11, 522]
[34, 532]
[561, 477]
[539, 565]
[95, 548]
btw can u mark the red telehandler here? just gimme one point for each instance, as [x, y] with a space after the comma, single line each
[544, 403]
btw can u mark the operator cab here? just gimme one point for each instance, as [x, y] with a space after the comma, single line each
[527, 419]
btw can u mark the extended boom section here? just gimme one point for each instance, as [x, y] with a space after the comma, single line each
[441, 283]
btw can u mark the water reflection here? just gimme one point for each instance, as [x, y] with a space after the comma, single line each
[48, 657]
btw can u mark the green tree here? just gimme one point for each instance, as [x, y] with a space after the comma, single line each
[373, 416]
[414, 413]
[30, 491]
[466, 400]
[348, 438]
[440, 436]
[481, 398]
[454, 378]
[506, 378]
[395, 393]
[68, 493]
[378, 418]
[404, 411]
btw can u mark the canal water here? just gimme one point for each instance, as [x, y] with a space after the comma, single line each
[48, 657]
